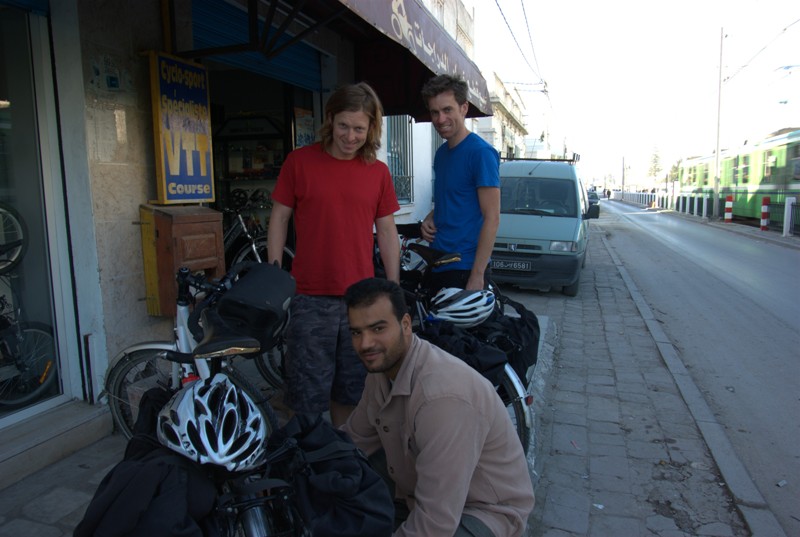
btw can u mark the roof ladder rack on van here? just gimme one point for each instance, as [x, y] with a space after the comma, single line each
[575, 158]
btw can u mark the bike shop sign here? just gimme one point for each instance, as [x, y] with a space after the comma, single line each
[181, 129]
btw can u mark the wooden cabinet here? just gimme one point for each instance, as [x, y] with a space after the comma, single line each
[174, 237]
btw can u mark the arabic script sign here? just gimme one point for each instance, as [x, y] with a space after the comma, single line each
[409, 24]
[182, 130]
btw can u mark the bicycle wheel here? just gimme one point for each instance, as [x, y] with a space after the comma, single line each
[270, 365]
[516, 400]
[144, 368]
[30, 372]
[13, 238]
[245, 253]
[131, 376]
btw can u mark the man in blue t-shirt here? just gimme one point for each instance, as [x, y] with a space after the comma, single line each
[466, 190]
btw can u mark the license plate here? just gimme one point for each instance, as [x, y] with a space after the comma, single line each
[501, 264]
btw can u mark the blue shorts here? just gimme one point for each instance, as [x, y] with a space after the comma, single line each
[321, 364]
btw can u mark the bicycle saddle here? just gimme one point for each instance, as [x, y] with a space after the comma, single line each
[432, 256]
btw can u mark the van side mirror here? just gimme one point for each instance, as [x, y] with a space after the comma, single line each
[593, 212]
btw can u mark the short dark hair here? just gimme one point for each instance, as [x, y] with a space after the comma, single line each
[442, 83]
[366, 292]
[355, 98]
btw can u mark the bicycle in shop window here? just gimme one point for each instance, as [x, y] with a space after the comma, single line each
[28, 365]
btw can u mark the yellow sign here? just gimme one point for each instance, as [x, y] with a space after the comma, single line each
[182, 130]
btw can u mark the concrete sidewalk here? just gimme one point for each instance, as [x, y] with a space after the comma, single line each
[51, 502]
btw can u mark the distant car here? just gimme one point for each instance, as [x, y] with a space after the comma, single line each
[594, 199]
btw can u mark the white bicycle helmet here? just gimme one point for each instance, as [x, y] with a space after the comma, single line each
[461, 307]
[213, 421]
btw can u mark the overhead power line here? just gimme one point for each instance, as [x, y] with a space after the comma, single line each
[747, 63]
[530, 38]
[515, 40]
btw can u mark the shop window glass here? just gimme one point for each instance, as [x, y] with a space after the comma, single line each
[29, 370]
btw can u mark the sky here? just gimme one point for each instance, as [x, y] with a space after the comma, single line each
[628, 78]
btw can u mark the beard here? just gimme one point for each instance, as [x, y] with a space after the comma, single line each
[391, 359]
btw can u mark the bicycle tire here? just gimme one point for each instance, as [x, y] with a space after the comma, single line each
[36, 365]
[270, 365]
[144, 368]
[245, 253]
[130, 377]
[13, 238]
[232, 250]
[511, 392]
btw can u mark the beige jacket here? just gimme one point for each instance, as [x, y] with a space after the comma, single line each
[450, 445]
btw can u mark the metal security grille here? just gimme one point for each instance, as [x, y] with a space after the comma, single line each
[400, 156]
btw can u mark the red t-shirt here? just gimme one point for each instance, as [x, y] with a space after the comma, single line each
[335, 203]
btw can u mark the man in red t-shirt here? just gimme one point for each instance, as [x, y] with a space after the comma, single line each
[337, 191]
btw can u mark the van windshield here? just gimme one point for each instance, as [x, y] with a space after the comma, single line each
[536, 195]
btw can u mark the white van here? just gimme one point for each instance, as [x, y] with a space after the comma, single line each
[544, 225]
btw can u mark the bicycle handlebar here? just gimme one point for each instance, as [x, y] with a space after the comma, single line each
[214, 289]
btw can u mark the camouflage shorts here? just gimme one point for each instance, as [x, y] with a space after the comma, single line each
[321, 364]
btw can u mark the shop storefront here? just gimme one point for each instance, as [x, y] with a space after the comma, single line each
[77, 158]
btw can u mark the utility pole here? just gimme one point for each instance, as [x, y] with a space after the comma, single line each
[623, 175]
[719, 108]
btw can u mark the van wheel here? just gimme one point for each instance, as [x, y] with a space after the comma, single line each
[572, 290]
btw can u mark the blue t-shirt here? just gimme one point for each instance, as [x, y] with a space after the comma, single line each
[457, 213]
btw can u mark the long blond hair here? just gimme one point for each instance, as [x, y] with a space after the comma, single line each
[355, 98]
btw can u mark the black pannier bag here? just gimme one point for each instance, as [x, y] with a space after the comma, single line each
[518, 337]
[258, 303]
[336, 491]
[485, 358]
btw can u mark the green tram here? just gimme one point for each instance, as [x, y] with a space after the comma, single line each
[771, 167]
